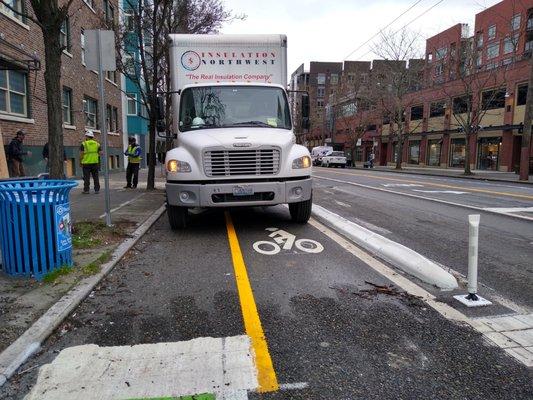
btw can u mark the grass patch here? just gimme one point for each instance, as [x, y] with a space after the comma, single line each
[90, 234]
[55, 274]
[95, 267]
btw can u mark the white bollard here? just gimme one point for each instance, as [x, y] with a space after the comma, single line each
[473, 247]
[472, 299]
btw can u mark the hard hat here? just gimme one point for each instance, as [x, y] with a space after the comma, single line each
[89, 133]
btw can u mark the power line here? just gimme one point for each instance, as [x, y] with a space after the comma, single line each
[385, 27]
[410, 22]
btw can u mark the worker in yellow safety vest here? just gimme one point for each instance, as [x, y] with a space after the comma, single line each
[90, 161]
[133, 152]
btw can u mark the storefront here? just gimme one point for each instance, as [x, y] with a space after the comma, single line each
[488, 153]
[457, 153]
[433, 152]
[414, 152]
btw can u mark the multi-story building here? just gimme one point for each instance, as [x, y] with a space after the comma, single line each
[22, 89]
[473, 83]
[133, 107]
[299, 82]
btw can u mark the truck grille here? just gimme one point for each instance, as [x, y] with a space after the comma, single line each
[241, 162]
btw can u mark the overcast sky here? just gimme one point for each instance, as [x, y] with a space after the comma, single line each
[329, 30]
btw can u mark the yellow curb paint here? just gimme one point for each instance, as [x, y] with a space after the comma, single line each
[522, 196]
[266, 375]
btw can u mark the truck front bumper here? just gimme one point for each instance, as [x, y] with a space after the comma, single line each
[221, 194]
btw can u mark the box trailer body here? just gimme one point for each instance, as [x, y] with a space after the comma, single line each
[235, 143]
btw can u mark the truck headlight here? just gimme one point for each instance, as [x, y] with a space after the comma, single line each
[178, 166]
[301, 162]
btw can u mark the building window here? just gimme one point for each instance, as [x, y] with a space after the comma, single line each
[493, 99]
[414, 152]
[320, 103]
[90, 109]
[17, 5]
[488, 153]
[67, 106]
[515, 22]
[441, 53]
[132, 104]
[109, 11]
[479, 60]
[480, 40]
[334, 79]
[320, 91]
[439, 69]
[493, 50]
[111, 75]
[462, 104]
[528, 46]
[491, 32]
[128, 64]
[144, 110]
[64, 35]
[522, 95]
[13, 93]
[417, 113]
[351, 78]
[129, 20]
[510, 44]
[111, 118]
[82, 45]
[457, 153]
[321, 79]
[434, 148]
[436, 109]
[429, 58]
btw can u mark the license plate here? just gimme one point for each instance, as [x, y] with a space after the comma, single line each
[243, 190]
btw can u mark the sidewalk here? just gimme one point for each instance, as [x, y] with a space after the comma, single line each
[454, 173]
[23, 301]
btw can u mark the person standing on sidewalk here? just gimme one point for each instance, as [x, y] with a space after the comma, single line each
[15, 154]
[134, 158]
[90, 161]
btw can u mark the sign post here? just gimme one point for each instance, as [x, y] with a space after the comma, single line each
[100, 57]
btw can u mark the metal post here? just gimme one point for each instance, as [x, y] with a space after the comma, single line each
[103, 129]
[473, 242]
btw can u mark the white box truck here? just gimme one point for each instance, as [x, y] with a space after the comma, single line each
[235, 139]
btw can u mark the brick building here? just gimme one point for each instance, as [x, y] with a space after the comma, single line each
[486, 68]
[22, 88]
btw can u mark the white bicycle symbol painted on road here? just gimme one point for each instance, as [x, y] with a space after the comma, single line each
[286, 241]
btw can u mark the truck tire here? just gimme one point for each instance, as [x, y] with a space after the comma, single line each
[177, 217]
[301, 212]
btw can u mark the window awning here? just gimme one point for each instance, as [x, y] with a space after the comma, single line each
[12, 57]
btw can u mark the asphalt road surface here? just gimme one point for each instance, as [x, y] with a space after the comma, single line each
[320, 326]
[430, 215]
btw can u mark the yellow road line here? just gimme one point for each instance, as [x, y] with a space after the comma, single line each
[522, 196]
[266, 375]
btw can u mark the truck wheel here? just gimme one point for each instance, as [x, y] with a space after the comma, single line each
[301, 212]
[177, 217]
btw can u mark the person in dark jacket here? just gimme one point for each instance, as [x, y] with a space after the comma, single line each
[15, 155]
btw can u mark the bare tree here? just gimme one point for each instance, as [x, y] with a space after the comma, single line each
[49, 15]
[398, 73]
[143, 43]
[526, 135]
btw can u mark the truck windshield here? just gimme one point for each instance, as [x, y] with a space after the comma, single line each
[233, 106]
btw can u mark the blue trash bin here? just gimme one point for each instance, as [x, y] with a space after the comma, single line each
[35, 226]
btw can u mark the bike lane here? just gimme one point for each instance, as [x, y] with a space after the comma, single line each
[335, 329]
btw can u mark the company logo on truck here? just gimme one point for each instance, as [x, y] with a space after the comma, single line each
[190, 60]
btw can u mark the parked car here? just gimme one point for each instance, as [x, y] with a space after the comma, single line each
[318, 152]
[334, 159]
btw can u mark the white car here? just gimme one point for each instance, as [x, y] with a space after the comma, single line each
[334, 159]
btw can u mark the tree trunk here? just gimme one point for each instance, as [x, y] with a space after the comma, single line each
[399, 152]
[150, 182]
[526, 135]
[467, 154]
[52, 80]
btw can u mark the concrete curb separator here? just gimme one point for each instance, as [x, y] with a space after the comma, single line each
[30, 341]
[432, 173]
[403, 257]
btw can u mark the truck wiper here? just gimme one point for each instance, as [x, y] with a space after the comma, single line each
[253, 123]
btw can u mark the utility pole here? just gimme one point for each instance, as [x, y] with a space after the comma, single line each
[526, 134]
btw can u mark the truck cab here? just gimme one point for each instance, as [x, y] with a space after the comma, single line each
[235, 143]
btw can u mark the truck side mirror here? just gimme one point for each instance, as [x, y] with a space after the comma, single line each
[160, 108]
[305, 111]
